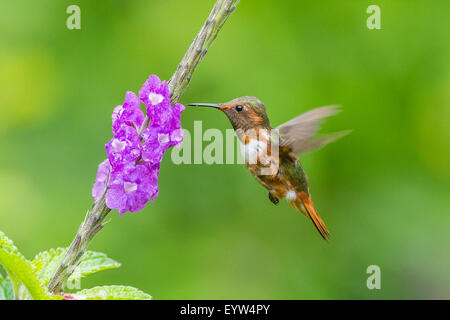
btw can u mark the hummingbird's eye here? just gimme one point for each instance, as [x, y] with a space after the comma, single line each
[239, 108]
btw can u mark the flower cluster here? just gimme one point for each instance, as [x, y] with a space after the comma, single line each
[130, 174]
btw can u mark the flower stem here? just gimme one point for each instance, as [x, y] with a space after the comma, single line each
[93, 222]
[199, 47]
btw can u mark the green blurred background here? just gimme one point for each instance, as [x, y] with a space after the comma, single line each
[212, 233]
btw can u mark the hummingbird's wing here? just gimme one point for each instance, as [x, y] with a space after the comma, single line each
[297, 134]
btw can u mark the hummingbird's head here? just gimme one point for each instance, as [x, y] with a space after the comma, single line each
[244, 112]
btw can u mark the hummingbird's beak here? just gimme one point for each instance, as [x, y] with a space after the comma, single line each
[212, 105]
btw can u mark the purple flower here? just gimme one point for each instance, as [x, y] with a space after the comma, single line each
[124, 148]
[130, 174]
[153, 178]
[156, 97]
[177, 137]
[154, 92]
[129, 113]
[177, 133]
[156, 141]
[131, 189]
[100, 181]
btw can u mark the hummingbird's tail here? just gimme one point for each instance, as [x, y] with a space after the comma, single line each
[304, 203]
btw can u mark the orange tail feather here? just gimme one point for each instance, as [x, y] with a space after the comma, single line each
[312, 213]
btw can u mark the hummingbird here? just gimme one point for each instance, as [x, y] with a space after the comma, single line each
[271, 154]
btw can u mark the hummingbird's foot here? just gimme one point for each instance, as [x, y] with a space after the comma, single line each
[273, 199]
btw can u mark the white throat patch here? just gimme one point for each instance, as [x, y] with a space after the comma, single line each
[252, 150]
[291, 195]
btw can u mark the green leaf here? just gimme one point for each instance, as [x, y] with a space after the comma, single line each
[47, 262]
[23, 273]
[6, 288]
[91, 262]
[113, 293]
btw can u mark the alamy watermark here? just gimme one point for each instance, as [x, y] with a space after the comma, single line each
[374, 280]
[258, 147]
[374, 20]
[74, 20]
